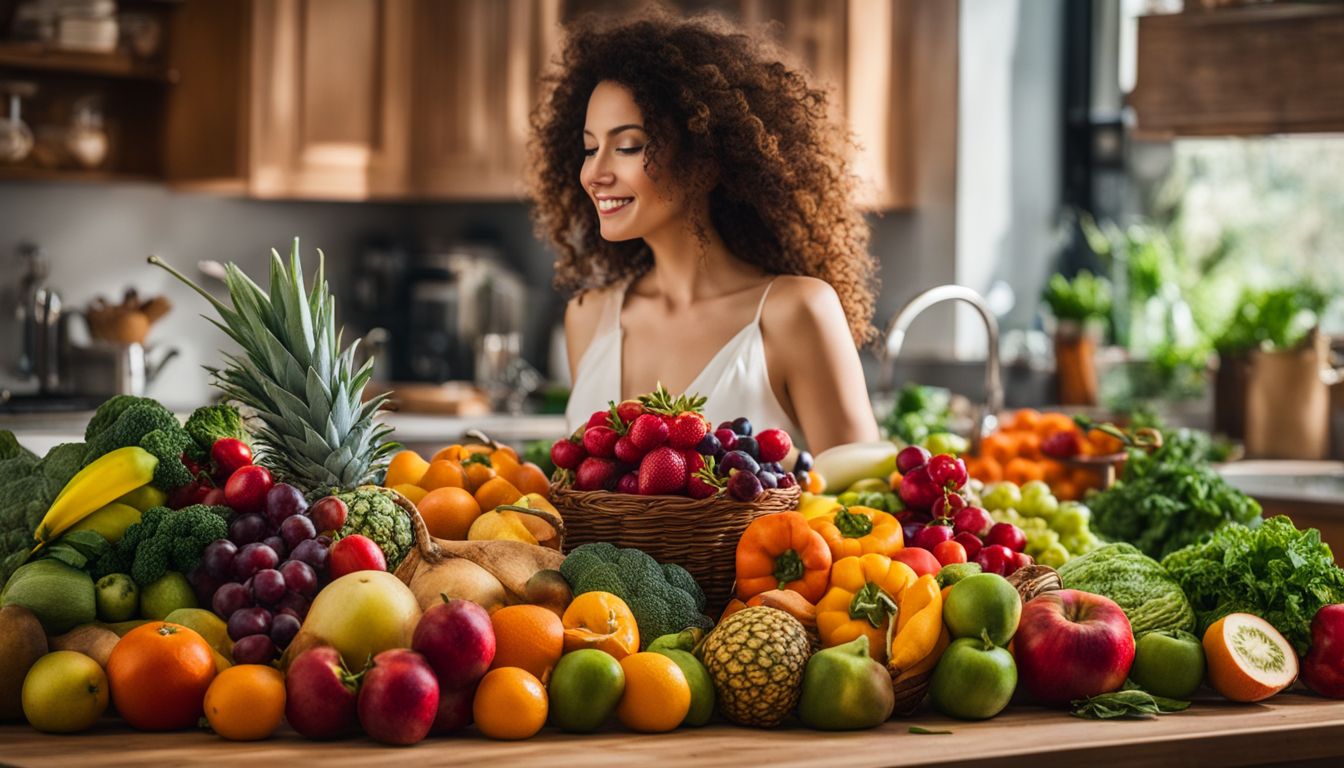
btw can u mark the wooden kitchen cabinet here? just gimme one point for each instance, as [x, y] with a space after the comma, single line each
[358, 99]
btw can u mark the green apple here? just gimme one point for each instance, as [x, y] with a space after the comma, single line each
[64, 692]
[1168, 662]
[678, 648]
[168, 593]
[585, 687]
[974, 680]
[983, 602]
[845, 689]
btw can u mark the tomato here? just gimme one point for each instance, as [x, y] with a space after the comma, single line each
[949, 552]
[230, 455]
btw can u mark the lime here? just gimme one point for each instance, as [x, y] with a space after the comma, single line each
[584, 690]
[162, 597]
[117, 597]
[1168, 662]
[64, 692]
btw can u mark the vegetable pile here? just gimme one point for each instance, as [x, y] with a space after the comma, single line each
[1169, 499]
[1137, 583]
[664, 598]
[1276, 572]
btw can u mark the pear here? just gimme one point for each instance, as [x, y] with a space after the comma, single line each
[844, 689]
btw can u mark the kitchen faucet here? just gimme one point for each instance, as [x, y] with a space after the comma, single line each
[986, 419]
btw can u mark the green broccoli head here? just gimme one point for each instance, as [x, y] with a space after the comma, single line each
[168, 445]
[638, 569]
[63, 462]
[602, 577]
[109, 412]
[682, 579]
[149, 425]
[10, 448]
[214, 422]
[190, 530]
[151, 560]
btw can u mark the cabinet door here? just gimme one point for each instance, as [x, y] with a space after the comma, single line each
[329, 98]
[474, 82]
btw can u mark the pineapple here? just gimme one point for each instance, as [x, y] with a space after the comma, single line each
[316, 433]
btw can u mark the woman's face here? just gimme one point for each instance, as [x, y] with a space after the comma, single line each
[630, 203]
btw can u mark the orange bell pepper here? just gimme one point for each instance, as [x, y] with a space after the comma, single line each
[854, 531]
[779, 551]
[864, 595]
[603, 621]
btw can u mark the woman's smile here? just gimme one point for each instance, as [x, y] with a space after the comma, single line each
[607, 205]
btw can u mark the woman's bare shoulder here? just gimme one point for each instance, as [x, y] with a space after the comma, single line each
[799, 300]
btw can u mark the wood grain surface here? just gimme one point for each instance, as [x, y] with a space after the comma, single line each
[1292, 728]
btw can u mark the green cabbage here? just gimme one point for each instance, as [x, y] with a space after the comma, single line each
[1137, 583]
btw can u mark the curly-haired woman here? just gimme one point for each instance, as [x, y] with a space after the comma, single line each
[703, 214]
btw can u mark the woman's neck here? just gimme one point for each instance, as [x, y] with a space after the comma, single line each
[688, 267]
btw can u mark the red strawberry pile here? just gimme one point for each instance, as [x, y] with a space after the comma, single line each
[938, 518]
[660, 445]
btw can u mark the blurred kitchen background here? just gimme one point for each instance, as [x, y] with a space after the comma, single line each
[1138, 189]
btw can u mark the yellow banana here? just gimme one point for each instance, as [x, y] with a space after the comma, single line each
[110, 521]
[103, 481]
[144, 498]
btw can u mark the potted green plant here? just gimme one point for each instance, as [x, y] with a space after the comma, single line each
[1081, 307]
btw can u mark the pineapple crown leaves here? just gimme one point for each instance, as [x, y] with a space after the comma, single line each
[293, 373]
[662, 401]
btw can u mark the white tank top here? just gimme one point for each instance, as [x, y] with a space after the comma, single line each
[735, 382]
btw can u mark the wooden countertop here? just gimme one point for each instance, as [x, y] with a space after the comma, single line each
[1291, 727]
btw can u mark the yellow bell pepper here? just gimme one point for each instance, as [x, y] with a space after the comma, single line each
[864, 595]
[914, 635]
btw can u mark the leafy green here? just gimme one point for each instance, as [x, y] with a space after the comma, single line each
[1278, 318]
[1149, 596]
[1129, 703]
[919, 411]
[1169, 499]
[25, 494]
[1275, 571]
[1085, 297]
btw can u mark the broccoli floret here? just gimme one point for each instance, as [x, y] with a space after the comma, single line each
[164, 539]
[63, 462]
[10, 448]
[213, 422]
[137, 425]
[108, 413]
[190, 530]
[664, 599]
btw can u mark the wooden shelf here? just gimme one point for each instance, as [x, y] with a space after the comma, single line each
[29, 173]
[120, 66]
[1246, 71]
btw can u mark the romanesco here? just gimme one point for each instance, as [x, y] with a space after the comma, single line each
[659, 596]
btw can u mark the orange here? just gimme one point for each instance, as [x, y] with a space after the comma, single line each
[1248, 659]
[413, 492]
[529, 478]
[1104, 444]
[1065, 490]
[448, 453]
[504, 464]
[813, 482]
[1054, 470]
[449, 512]
[1026, 419]
[657, 696]
[510, 703]
[406, 468]
[496, 491]
[443, 473]
[603, 621]
[1055, 422]
[984, 469]
[528, 637]
[1029, 446]
[894, 480]
[158, 674]
[478, 470]
[1022, 471]
[999, 446]
[246, 702]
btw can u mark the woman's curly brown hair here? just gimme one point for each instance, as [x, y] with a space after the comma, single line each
[781, 194]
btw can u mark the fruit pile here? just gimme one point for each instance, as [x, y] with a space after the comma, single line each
[663, 445]
[1056, 530]
[1030, 445]
[938, 518]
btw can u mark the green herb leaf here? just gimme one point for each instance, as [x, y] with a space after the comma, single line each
[915, 729]
[1130, 703]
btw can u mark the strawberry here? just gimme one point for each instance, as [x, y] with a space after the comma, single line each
[567, 454]
[774, 444]
[599, 419]
[600, 441]
[687, 430]
[627, 452]
[698, 488]
[629, 410]
[663, 471]
[629, 483]
[595, 474]
[694, 461]
[647, 432]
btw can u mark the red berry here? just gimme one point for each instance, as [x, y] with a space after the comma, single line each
[947, 471]
[600, 442]
[774, 444]
[595, 474]
[948, 504]
[629, 483]
[1008, 535]
[648, 432]
[567, 454]
[629, 410]
[627, 452]
[687, 430]
[917, 488]
[694, 461]
[698, 488]
[662, 472]
[973, 520]
[969, 542]
[599, 419]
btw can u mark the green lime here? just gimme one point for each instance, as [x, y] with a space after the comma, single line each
[1168, 662]
[585, 687]
[162, 597]
[117, 597]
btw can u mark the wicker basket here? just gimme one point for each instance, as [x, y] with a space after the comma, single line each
[700, 535]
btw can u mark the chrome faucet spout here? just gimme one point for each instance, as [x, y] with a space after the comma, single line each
[986, 419]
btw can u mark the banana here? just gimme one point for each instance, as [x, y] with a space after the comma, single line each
[844, 465]
[110, 521]
[816, 505]
[103, 481]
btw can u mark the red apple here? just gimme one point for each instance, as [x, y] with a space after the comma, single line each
[354, 553]
[921, 561]
[247, 488]
[458, 640]
[1323, 667]
[399, 698]
[454, 709]
[320, 694]
[1071, 645]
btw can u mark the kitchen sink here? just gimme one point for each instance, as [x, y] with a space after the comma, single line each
[10, 403]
